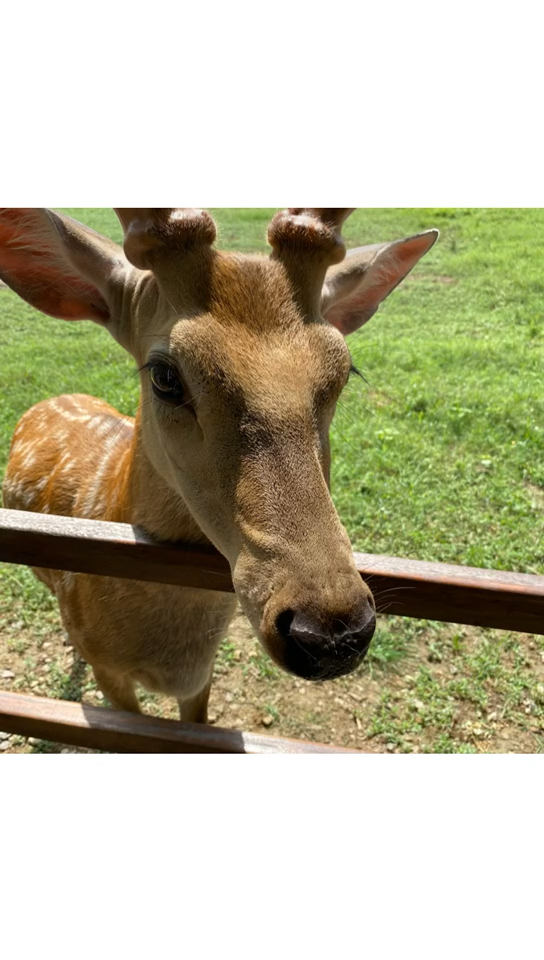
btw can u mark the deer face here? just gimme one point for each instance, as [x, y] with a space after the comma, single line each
[242, 361]
[237, 405]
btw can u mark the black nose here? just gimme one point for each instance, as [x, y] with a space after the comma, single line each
[320, 650]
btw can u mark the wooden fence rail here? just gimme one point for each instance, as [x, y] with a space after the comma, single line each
[118, 732]
[410, 588]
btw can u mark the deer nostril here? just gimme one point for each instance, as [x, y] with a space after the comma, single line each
[317, 649]
[283, 623]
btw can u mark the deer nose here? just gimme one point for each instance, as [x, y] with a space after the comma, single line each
[319, 650]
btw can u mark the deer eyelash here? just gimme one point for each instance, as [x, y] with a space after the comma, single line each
[354, 371]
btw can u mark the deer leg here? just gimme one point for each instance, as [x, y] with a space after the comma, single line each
[120, 691]
[195, 709]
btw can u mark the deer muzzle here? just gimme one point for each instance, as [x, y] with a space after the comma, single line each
[317, 639]
[315, 623]
[295, 575]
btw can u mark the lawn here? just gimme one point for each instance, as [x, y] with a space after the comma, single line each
[438, 454]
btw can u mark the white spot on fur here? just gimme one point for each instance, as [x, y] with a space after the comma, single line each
[29, 461]
[95, 489]
[81, 417]
[105, 428]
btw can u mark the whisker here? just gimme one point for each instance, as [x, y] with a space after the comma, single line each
[303, 648]
[384, 593]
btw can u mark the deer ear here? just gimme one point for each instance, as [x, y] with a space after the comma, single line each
[354, 289]
[58, 265]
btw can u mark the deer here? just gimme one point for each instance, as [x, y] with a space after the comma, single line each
[242, 360]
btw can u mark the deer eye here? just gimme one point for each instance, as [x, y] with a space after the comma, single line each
[166, 383]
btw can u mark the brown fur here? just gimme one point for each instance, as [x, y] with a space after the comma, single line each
[242, 463]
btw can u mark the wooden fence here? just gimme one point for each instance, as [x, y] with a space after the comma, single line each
[410, 588]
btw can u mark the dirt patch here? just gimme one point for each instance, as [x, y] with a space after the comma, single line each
[450, 689]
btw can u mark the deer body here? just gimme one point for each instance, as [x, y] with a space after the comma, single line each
[77, 456]
[242, 360]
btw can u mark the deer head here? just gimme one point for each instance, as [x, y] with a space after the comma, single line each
[242, 361]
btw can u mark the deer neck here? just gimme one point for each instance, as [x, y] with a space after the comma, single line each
[145, 499]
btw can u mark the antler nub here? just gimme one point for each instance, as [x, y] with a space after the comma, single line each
[307, 241]
[306, 229]
[148, 232]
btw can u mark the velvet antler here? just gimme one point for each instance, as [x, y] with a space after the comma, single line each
[150, 232]
[308, 241]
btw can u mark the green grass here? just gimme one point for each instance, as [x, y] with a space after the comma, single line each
[439, 456]
[495, 682]
[443, 459]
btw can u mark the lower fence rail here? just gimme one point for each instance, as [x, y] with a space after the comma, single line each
[115, 731]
